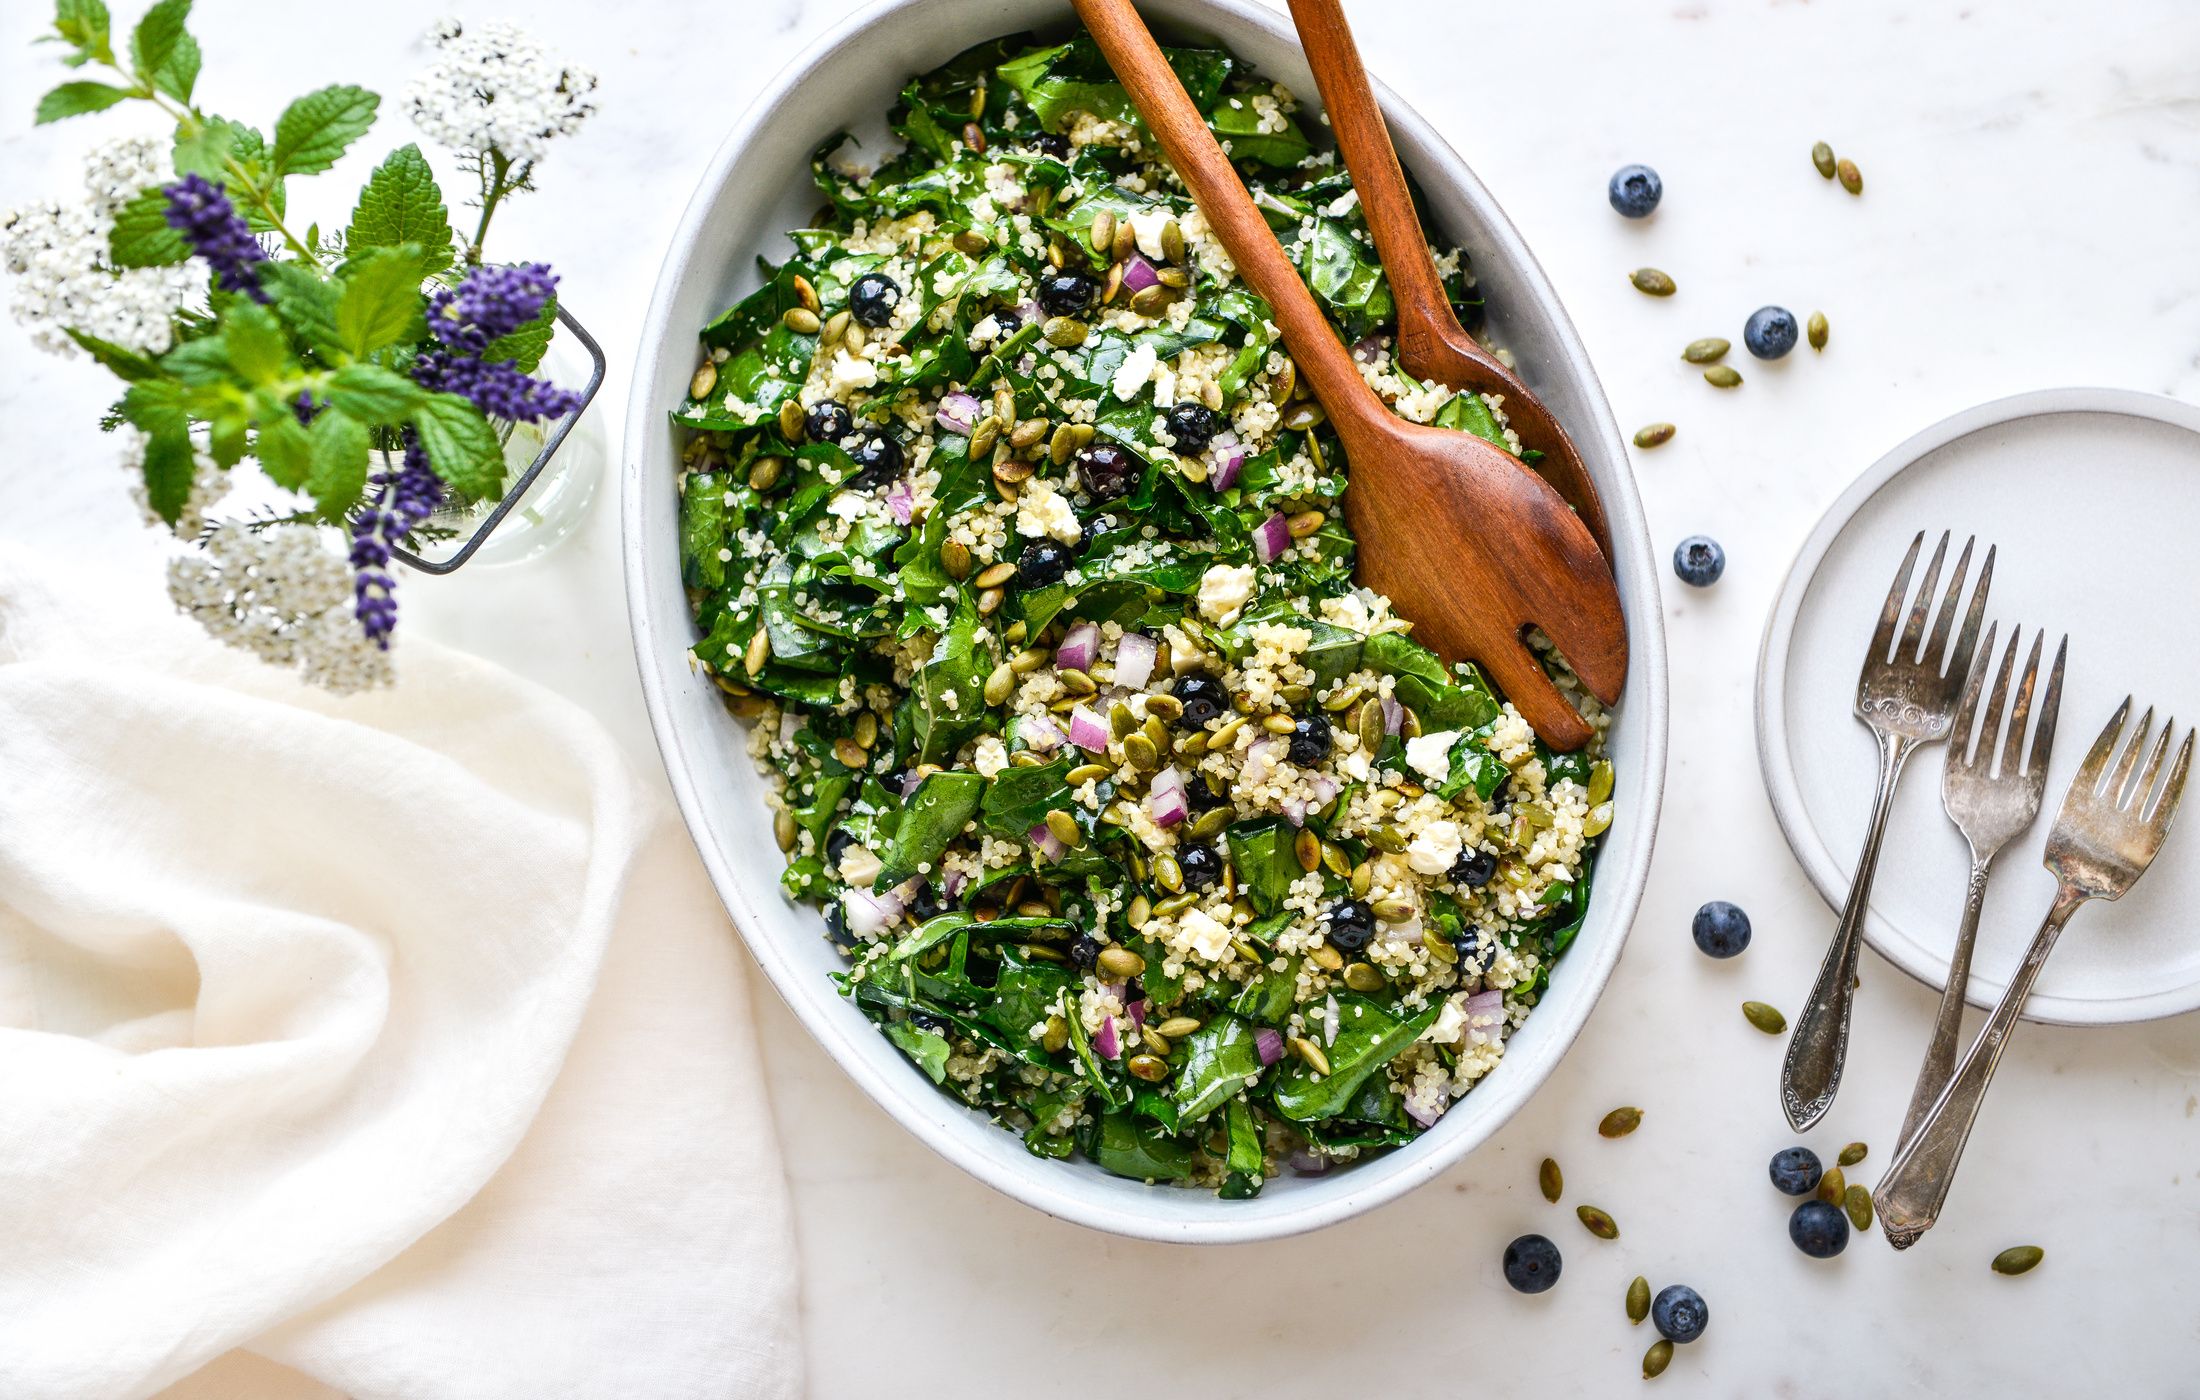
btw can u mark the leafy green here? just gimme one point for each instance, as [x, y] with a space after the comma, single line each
[1261, 853]
[1215, 1062]
[935, 816]
[402, 204]
[929, 1049]
[78, 99]
[1370, 1037]
[1125, 1145]
[313, 132]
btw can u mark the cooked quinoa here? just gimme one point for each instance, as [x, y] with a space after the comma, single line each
[1008, 527]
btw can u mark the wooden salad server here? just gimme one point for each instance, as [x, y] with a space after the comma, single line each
[1469, 546]
[1432, 345]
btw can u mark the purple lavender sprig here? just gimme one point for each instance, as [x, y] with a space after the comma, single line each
[491, 303]
[403, 499]
[200, 210]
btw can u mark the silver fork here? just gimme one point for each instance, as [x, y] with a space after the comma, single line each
[2103, 840]
[1990, 804]
[1907, 696]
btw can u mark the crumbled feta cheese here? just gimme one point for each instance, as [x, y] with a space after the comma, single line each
[1132, 374]
[850, 373]
[991, 757]
[1223, 590]
[1430, 754]
[859, 867]
[1210, 937]
[1041, 510]
[1435, 847]
[1147, 225]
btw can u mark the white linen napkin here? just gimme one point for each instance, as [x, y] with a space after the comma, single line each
[297, 1048]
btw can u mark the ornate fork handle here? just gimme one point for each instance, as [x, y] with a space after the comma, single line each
[1811, 1073]
[1940, 1052]
[1915, 1187]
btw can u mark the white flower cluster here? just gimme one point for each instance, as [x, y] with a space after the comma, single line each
[279, 594]
[494, 88]
[57, 255]
[209, 483]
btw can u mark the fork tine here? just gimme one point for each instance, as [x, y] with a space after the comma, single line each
[1959, 735]
[1944, 616]
[1964, 639]
[1883, 635]
[1914, 629]
[2088, 780]
[2012, 747]
[2158, 816]
[2119, 779]
[2043, 738]
[1997, 703]
[2144, 787]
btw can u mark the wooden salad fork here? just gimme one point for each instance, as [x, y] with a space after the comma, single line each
[1471, 548]
[2110, 827]
[1432, 345]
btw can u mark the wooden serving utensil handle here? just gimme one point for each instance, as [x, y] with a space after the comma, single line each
[1181, 129]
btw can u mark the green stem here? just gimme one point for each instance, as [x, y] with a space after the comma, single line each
[499, 167]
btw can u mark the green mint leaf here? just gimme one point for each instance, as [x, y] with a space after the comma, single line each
[402, 204]
[180, 73]
[155, 40]
[169, 467]
[201, 363]
[205, 151]
[284, 447]
[77, 99]
[461, 445]
[373, 394]
[305, 301]
[338, 470]
[154, 406]
[226, 432]
[83, 23]
[258, 349]
[141, 236]
[380, 304]
[128, 364]
[526, 345]
[313, 131]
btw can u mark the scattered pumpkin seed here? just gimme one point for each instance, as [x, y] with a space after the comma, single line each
[1175, 277]
[1655, 1360]
[1119, 963]
[1708, 351]
[1638, 1300]
[955, 559]
[1177, 1027]
[1278, 723]
[1723, 377]
[1821, 156]
[1327, 958]
[849, 752]
[1155, 1042]
[1597, 1222]
[1011, 474]
[1065, 331]
[1307, 846]
[1126, 238]
[1620, 1122]
[1859, 1204]
[802, 321]
[805, 293]
[1167, 873]
[1654, 435]
[989, 601]
[1304, 523]
[1211, 822]
[1852, 1154]
[1651, 282]
[971, 243]
[995, 575]
[1393, 911]
[1361, 977]
[1102, 233]
[1151, 301]
[1027, 434]
[1151, 1068]
[765, 474]
[983, 435]
[1065, 829]
[866, 732]
[1852, 179]
[1311, 1053]
[1765, 1018]
[784, 830]
[1816, 330]
[1302, 415]
[1833, 1187]
[1055, 1036]
[1142, 754]
[2018, 1259]
[1000, 685]
[1439, 947]
[1551, 1180]
[836, 326]
[706, 378]
[1172, 241]
[759, 651]
[1140, 910]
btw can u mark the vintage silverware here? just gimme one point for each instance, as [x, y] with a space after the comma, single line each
[1991, 803]
[2110, 827]
[1907, 696]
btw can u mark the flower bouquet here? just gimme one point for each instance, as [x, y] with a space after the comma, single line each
[370, 370]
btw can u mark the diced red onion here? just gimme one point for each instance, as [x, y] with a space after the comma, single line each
[1079, 649]
[1088, 731]
[1294, 811]
[957, 412]
[1048, 843]
[1029, 311]
[1394, 716]
[1366, 348]
[1426, 1114]
[1229, 461]
[1307, 1163]
[869, 913]
[1325, 787]
[952, 884]
[1271, 538]
[1106, 1041]
[1259, 760]
[901, 501]
[1138, 274]
[1486, 1009]
[1165, 800]
[910, 783]
[1137, 1010]
[1040, 734]
[1134, 658]
[1268, 1044]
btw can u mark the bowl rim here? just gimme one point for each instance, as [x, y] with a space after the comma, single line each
[1040, 1183]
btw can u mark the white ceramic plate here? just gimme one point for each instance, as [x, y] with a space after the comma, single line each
[756, 187]
[2093, 498]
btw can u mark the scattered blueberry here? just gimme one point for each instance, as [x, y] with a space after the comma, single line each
[924, 904]
[1636, 190]
[1200, 794]
[1201, 866]
[1042, 562]
[1679, 1313]
[926, 1021]
[836, 925]
[1084, 951]
[1107, 471]
[1795, 1170]
[1532, 1263]
[828, 421]
[1067, 293]
[1351, 923]
[1699, 561]
[1770, 332]
[1191, 428]
[878, 460]
[836, 841]
[1721, 929]
[1051, 143]
[1474, 868]
[1310, 740]
[873, 297]
[1008, 319]
[1203, 698]
[1819, 1229]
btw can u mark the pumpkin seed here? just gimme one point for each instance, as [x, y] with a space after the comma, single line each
[1139, 910]
[1157, 733]
[836, 326]
[853, 335]
[1852, 179]
[1327, 958]
[1308, 848]
[805, 293]
[1311, 1053]
[1175, 277]
[1000, 685]
[989, 601]
[1620, 1122]
[1362, 978]
[1389, 839]
[1638, 1300]
[1708, 351]
[955, 559]
[1119, 963]
[1177, 1027]
[802, 321]
[1062, 444]
[1166, 708]
[1065, 331]
[1151, 1068]
[1551, 1180]
[1055, 1036]
[1027, 434]
[1833, 1186]
[983, 435]
[1369, 725]
[1121, 722]
[1597, 1222]
[1141, 752]
[1765, 1018]
[784, 830]
[1211, 822]
[1086, 773]
[1078, 683]
[765, 474]
[2018, 1259]
[1723, 377]
[866, 729]
[1303, 415]
[972, 243]
[1336, 861]
[759, 651]
[1599, 818]
[1821, 157]
[1167, 873]
[850, 753]
[1011, 474]
[1304, 523]
[1025, 758]
[1859, 1204]
[1816, 330]
[1065, 829]
[1655, 435]
[1156, 1042]
[1278, 723]
[1151, 301]
[1393, 911]
[995, 575]
[1439, 947]
[1651, 282]
[1102, 233]
[706, 378]
[1172, 241]
[1655, 1360]
[1126, 238]
[1852, 1154]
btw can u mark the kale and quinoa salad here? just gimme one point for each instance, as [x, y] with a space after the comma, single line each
[1009, 528]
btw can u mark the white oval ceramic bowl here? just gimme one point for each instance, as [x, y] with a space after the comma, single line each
[757, 186]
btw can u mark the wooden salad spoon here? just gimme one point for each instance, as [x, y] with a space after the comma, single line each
[1469, 546]
[1431, 342]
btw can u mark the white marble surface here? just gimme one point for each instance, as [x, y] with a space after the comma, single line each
[2033, 180]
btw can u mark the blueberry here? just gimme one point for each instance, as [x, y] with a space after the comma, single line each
[1679, 1313]
[828, 421]
[836, 841]
[836, 925]
[1191, 428]
[1107, 471]
[1531, 1263]
[1084, 951]
[1635, 190]
[1721, 929]
[1008, 318]
[926, 1021]
[1042, 562]
[1200, 794]
[878, 460]
[1203, 698]
[924, 904]
[873, 297]
[1699, 561]
[1795, 1170]
[1819, 1229]
[1201, 866]
[1350, 925]
[1770, 332]
[1051, 143]
[1310, 740]
[1474, 868]
[1067, 293]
